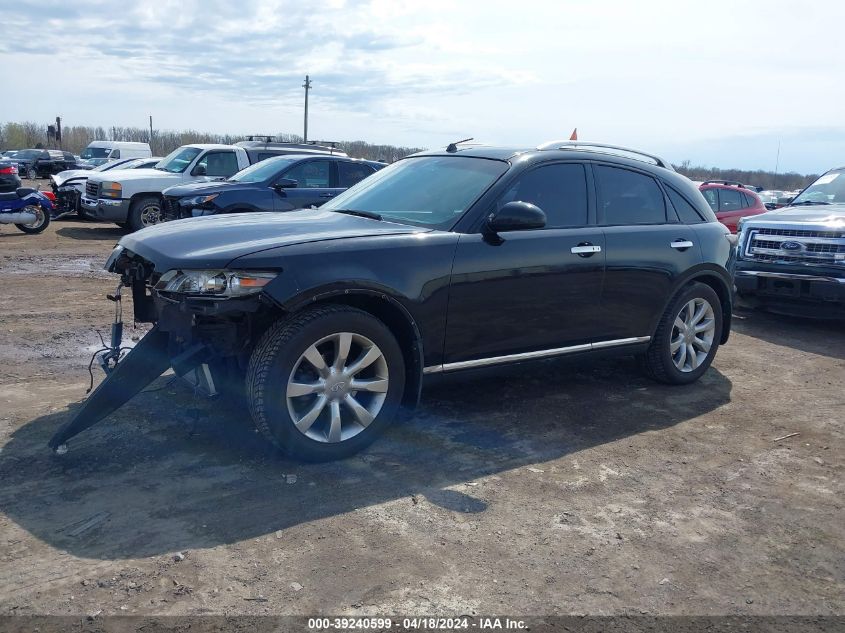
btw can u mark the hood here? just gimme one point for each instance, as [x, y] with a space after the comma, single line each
[126, 175]
[63, 176]
[833, 215]
[214, 241]
[200, 188]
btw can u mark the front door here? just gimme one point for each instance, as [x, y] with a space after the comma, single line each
[530, 290]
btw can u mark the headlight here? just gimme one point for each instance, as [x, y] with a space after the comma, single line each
[198, 201]
[214, 283]
[111, 189]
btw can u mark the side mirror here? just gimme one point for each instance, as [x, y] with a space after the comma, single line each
[516, 216]
[285, 183]
[199, 170]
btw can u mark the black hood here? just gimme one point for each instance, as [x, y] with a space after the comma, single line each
[205, 188]
[214, 241]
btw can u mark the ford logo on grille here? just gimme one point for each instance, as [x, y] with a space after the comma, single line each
[791, 246]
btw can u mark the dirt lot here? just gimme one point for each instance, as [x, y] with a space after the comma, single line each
[563, 487]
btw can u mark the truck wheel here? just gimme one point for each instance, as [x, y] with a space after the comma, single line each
[326, 382]
[42, 221]
[144, 212]
[687, 337]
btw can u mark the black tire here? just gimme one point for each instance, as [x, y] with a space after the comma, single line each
[140, 209]
[123, 225]
[658, 362]
[276, 357]
[38, 227]
[32, 173]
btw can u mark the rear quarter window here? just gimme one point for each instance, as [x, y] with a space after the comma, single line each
[686, 212]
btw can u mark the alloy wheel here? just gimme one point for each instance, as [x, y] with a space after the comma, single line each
[337, 387]
[150, 215]
[692, 334]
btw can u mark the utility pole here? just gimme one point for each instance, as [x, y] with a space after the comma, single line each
[151, 132]
[777, 165]
[307, 86]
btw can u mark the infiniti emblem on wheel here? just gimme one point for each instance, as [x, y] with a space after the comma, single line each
[791, 246]
[338, 386]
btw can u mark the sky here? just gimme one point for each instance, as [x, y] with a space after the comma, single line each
[718, 83]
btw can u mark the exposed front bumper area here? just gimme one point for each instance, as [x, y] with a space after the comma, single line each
[103, 209]
[819, 293]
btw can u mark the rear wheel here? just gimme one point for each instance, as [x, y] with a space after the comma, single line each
[144, 212]
[32, 173]
[325, 383]
[687, 337]
[42, 220]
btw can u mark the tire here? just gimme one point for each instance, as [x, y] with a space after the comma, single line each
[144, 212]
[123, 225]
[278, 368]
[42, 221]
[31, 173]
[680, 366]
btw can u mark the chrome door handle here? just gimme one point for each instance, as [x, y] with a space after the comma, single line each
[681, 244]
[587, 249]
[327, 195]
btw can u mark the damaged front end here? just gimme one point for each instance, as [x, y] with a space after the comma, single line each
[205, 323]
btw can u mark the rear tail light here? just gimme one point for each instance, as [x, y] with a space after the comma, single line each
[11, 169]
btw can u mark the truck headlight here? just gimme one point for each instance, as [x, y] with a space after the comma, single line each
[198, 201]
[110, 189]
[214, 283]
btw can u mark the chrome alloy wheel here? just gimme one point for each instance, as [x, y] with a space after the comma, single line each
[150, 215]
[39, 214]
[692, 334]
[337, 387]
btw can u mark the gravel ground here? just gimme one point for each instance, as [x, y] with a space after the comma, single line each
[559, 487]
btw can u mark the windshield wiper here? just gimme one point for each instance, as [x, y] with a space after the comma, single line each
[360, 214]
[807, 202]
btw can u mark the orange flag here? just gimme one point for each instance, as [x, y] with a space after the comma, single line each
[574, 136]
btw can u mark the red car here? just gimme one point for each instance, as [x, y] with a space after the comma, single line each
[731, 201]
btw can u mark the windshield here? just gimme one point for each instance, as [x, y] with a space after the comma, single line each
[827, 189]
[178, 160]
[95, 152]
[431, 191]
[263, 170]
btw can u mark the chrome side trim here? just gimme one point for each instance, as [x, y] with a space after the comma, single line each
[795, 276]
[543, 353]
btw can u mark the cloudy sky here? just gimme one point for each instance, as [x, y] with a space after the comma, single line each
[717, 83]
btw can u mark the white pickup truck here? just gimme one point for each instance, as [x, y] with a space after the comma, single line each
[132, 197]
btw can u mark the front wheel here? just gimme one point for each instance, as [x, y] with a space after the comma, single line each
[687, 337]
[144, 212]
[42, 220]
[325, 383]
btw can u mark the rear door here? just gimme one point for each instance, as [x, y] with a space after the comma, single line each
[314, 184]
[647, 249]
[531, 290]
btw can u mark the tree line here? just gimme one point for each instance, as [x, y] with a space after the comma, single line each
[76, 137]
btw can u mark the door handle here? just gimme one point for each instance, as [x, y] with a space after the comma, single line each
[585, 250]
[327, 195]
[681, 244]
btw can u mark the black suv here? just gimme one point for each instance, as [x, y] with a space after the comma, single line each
[282, 183]
[329, 319]
[40, 163]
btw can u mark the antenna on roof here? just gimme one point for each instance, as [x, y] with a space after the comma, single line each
[453, 147]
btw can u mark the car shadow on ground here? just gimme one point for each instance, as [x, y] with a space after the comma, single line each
[91, 231]
[825, 337]
[144, 482]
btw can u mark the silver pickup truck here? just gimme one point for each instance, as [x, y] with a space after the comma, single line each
[792, 260]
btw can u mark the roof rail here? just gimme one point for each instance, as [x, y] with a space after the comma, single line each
[567, 144]
[717, 181]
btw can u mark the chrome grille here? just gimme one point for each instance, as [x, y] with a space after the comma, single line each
[802, 246]
[92, 190]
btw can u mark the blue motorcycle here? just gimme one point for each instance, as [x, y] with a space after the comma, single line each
[28, 209]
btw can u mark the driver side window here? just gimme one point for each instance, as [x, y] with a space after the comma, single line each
[313, 174]
[219, 164]
[560, 190]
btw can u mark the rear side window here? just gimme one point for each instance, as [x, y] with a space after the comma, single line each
[313, 174]
[686, 212]
[730, 200]
[560, 190]
[352, 173]
[749, 200]
[628, 197]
